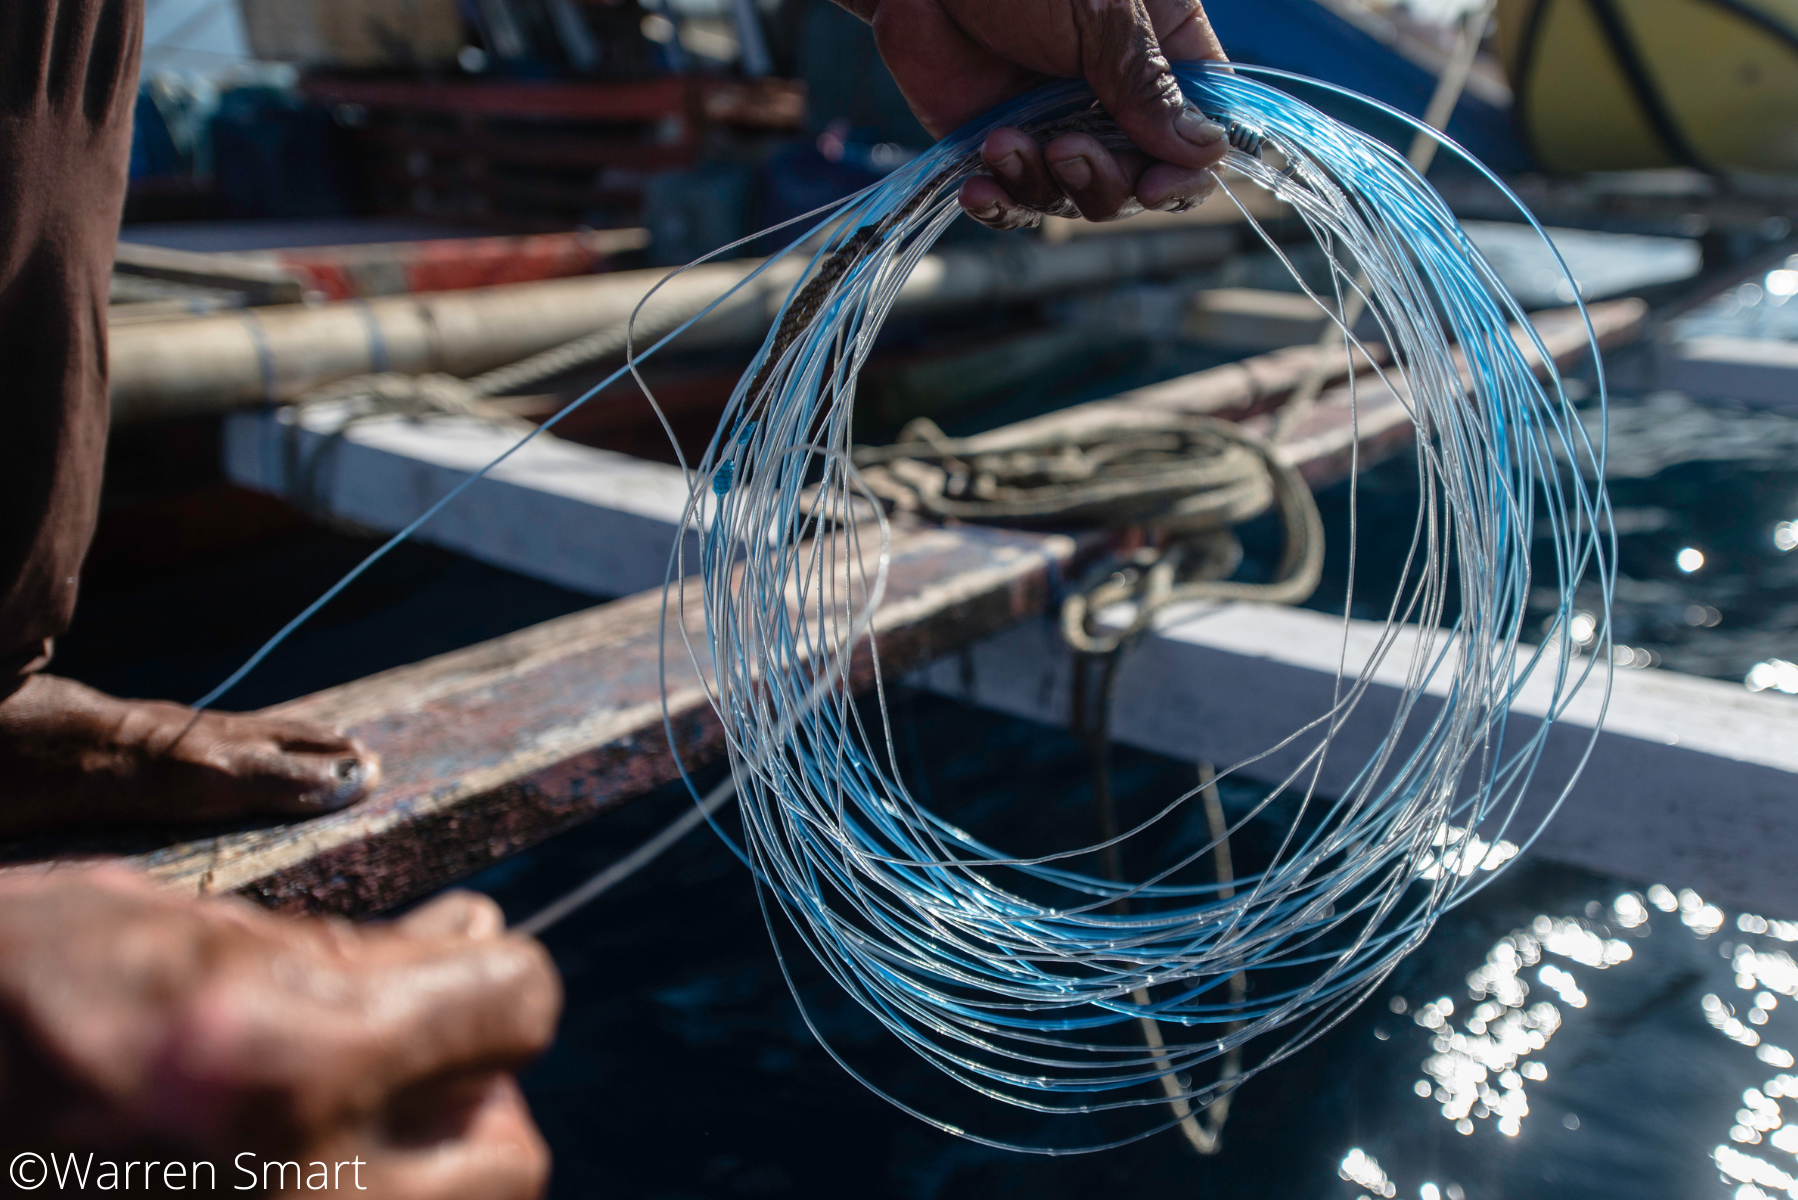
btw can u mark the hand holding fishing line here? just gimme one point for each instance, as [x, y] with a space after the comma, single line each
[379, 1054]
[134, 1014]
[956, 59]
[1026, 978]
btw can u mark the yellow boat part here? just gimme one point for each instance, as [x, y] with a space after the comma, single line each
[1607, 85]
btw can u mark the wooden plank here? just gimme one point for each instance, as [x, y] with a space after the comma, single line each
[759, 104]
[489, 749]
[635, 100]
[1761, 372]
[601, 523]
[589, 520]
[1690, 783]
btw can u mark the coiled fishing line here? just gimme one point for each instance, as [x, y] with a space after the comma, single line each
[1024, 978]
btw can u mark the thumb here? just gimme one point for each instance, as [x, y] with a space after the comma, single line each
[1124, 63]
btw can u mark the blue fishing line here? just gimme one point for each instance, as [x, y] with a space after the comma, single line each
[1000, 970]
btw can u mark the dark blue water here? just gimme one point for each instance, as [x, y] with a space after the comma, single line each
[177, 635]
[684, 1068]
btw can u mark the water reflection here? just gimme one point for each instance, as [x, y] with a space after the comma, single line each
[1360, 1167]
[1774, 673]
[1755, 309]
[683, 1071]
[1480, 1069]
[1503, 1028]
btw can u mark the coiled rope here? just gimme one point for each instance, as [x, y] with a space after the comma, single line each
[1184, 481]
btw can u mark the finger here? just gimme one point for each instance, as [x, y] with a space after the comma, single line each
[984, 200]
[457, 914]
[461, 1006]
[946, 76]
[1167, 188]
[1016, 161]
[1122, 59]
[290, 735]
[298, 784]
[1101, 184]
[496, 1154]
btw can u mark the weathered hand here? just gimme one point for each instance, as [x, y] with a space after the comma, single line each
[954, 59]
[131, 1018]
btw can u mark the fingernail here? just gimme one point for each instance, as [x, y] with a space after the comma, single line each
[1011, 166]
[351, 776]
[1195, 127]
[1074, 172]
[989, 213]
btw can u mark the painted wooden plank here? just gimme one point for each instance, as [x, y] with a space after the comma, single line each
[1692, 782]
[589, 520]
[1757, 371]
[603, 523]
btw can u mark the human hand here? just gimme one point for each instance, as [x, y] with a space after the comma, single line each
[954, 59]
[132, 1017]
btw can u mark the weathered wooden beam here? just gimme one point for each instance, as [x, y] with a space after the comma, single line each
[489, 749]
[263, 282]
[1323, 443]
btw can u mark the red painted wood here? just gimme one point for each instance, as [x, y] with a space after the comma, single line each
[447, 264]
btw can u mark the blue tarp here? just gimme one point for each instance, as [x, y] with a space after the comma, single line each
[1305, 37]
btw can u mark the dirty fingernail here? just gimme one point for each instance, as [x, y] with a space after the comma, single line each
[1011, 166]
[988, 213]
[1195, 127]
[351, 777]
[1074, 172]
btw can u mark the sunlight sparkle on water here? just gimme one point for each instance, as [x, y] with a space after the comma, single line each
[1360, 1167]
[1775, 673]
